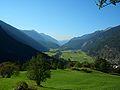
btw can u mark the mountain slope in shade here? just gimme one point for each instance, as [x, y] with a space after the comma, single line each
[21, 37]
[43, 39]
[104, 43]
[11, 49]
[49, 38]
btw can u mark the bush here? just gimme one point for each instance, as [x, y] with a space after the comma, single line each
[76, 69]
[23, 86]
[86, 64]
[86, 70]
[78, 64]
[7, 69]
[71, 64]
[32, 88]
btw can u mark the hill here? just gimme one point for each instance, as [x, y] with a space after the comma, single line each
[68, 80]
[104, 43]
[15, 45]
[21, 37]
[43, 39]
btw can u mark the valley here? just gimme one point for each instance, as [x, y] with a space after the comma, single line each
[83, 63]
[73, 55]
[59, 45]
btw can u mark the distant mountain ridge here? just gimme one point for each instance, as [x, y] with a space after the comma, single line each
[104, 43]
[49, 38]
[45, 40]
[62, 42]
[20, 45]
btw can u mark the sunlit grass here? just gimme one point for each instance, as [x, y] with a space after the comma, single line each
[68, 79]
[73, 55]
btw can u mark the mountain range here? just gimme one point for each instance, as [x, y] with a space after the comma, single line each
[12, 49]
[43, 39]
[20, 45]
[15, 45]
[103, 43]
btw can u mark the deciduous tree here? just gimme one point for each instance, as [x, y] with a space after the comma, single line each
[103, 3]
[39, 69]
[7, 69]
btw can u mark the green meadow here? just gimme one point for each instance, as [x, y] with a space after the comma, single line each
[67, 80]
[73, 55]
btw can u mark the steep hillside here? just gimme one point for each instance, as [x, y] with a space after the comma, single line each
[43, 39]
[105, 43]
[49, 38]
[11, 49]
[80, 42]
[21, 37]
[16, 46]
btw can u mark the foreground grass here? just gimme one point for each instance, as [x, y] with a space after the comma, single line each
[74, 55]
[68, 80]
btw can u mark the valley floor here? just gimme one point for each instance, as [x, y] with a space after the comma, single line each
[73, 55]
[68, 80]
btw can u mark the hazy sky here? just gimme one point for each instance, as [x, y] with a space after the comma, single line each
[62, 19]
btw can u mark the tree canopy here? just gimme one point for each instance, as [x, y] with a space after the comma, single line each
[7, 69]
[103, 3]
[38, 69]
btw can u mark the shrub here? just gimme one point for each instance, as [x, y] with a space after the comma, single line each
[76, 69]
[23, 86]
[86, 70]
[78, 64]
[7, 69]
[86, 64]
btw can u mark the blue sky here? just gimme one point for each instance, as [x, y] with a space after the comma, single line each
[62, 19]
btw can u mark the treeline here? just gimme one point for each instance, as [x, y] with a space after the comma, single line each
[39, 67]
[55, 62]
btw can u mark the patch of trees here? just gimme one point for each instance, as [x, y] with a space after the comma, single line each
[7, 69]
[55, 62]
[77, 64]
[103, 65]
[99, 64]
[39, 68]
[24, 86]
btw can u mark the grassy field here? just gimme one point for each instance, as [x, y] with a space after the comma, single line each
[73, 55]
[68, 80]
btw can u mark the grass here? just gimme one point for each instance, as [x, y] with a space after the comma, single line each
[68, 80]
[73, 55]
